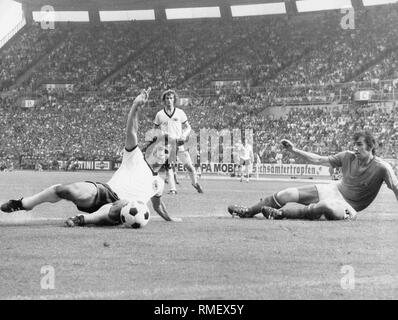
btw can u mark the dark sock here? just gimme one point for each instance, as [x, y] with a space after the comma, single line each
[269, 201]
[299, 211]
[21, 204]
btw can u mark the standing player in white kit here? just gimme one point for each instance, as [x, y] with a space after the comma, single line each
[173, 122]
[246, 159]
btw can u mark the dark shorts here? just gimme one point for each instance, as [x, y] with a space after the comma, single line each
[104, 195]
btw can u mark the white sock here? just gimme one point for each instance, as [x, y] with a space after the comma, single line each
[172, 182]
[100, 216]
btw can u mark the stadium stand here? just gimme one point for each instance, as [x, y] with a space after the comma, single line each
[260, 63]
[31, 45]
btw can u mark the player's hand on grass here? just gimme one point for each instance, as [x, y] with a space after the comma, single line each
[288, 145]
[142, 98]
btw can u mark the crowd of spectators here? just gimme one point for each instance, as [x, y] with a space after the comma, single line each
[90, 53]
[92, 127]
[387, 68]
[180, 50]
[233, 69]
[327, 131]
[301, 58]
[323, 129]
[27, 47]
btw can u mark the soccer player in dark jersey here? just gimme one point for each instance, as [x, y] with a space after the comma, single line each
[363, 173]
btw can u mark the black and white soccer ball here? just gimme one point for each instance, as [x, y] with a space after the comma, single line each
[135, 214]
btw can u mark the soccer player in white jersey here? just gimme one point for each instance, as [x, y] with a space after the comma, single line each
[258, 165]
[136, 179]
[246, 159]
[173, 122]
[363, 173]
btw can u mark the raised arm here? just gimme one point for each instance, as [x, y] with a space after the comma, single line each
[309, 156]
[160, 208]
[132, 120]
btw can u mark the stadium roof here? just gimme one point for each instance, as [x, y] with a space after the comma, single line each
[135, 4]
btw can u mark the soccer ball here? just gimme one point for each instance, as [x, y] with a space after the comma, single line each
[135, 215]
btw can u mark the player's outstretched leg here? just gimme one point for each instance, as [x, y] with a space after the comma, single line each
[47, 195]
[81, 193]
[107, 215]
[304, 195]
[329, 209]
[298, 211]
[186, 160]
[272, 213]
[250, 212]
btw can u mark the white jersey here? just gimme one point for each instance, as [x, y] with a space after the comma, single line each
[245, 152]
[135, 180]
[278, 158]
[171, 124]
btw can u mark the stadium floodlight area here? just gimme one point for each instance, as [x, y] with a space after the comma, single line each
[258, 9]
[321, 5]
[193, 13]
[377, 2]
[127, 15]
[61, 16]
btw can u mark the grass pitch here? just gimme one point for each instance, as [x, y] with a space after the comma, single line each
[208, 255]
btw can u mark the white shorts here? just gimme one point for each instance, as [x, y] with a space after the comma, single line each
[184, 157]
[331, 194]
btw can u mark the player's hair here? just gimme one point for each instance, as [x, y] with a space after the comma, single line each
[149, 147]
[369, 139]
[168, 92]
